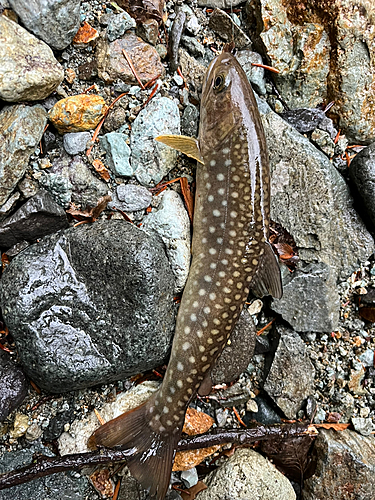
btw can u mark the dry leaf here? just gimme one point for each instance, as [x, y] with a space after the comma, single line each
[188, 198]
[85, 34]
[142, 10]
[186, 460]
[336, 427]
[191, 493]
[102, 482]
[197, 422]
[92, 214]
[101, 169]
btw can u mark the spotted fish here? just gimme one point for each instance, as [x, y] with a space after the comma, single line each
[230, 256]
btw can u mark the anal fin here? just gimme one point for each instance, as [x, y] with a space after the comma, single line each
[187, 145]
[267, 280]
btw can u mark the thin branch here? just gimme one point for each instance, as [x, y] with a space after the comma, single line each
[45, 466]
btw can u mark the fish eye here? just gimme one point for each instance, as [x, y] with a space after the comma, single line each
[219, 83]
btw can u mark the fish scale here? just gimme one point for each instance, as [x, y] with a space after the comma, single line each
[230, 257]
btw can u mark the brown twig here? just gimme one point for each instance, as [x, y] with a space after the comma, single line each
[264, 66]
[133, 69]
[265, 327]
[239, 417]
[45, 466]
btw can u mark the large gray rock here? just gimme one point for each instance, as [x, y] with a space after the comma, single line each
[310, 301]
[150, 159]
[247, 475]
[21, 128]
[362, 176]
[13, 385]
[291, 377]
[345, 467]
[28, 68]
[39, 216]
[312, 202]
[89, 305]
[54, 21]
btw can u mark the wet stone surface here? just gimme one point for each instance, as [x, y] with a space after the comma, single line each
[91, 321]
[13, 385]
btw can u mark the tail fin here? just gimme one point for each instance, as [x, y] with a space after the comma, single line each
[151, 453]
[267, 280]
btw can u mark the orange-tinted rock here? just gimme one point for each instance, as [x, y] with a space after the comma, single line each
[77, 113]
[185, 460]
[196, 422]
[112, 63]
[85, 34]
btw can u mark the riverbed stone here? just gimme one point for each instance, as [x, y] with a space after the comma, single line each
[112, 63]
[13, 385]
[310, 288]
[150, 159]
[39, 216]
[291, 377]
[28, 68]
[224, 26]
[118, 153]
[21, 128]
[311, 200]
[54, 22]
[130, 198]
[77, 113]
[71, 180]
[90, 305]
[118, 24]
[247, 475]
[345, 467]
[171, 221]
[362, 175]
[76, 142]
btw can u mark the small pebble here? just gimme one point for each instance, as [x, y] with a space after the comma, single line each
[76, 142]
[189, 477]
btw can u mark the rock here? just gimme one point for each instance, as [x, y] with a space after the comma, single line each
[367, 358]
[312, 202]
[296, 39]
[237, 355]
[118, 153]
[254, 74]
[55, 23]
[39, 216]
[224, 26]
[76, 142]
[118, 24]
[70, 180]
[323, 140]
[57, 424]
[189, 477]
[194, 47]
[310, 300]
[220, 4]
[77, 113]
[189, 121]
[20, 426]
[192, 69]
[112, 63]
[69, 330]
[171, 221]
[306, 119]
[34, 432]
[130, 198]
[149, 31]
[363, 425]
[75, 441]
[291, 377]
[13, 385]
[28, 68]
[265, 414]
[62, 486]
[362, 174]
[247, 475]
[355, 476]
[150, 159]
[9, 205]
[21, 128]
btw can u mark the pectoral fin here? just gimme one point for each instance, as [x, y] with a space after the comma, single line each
[187, 145]
[267, 280]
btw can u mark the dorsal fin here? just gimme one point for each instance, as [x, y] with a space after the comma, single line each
[267, 280]
[187, 145]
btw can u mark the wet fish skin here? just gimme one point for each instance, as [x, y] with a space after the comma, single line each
[230, 256]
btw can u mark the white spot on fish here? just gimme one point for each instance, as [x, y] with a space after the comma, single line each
[207, 278]
[187, 329]
[180, 384]
[180, 366]
[201, 348]
[186, 346]
[212, 163]
[221, 191]
[212, 251]
[220, 241]
[216, 213]
[213, 265]
[193, 317]
[212, 229]
[202, 292]
[192, 360]
[212, 296]
[206, 310]
[210, 198]
[226, 151]
[227, 163]
[220, 177]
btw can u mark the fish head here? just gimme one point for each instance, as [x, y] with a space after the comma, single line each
[224, 96]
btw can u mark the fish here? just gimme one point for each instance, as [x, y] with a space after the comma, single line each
[230, 256]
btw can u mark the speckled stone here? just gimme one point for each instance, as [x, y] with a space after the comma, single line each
[118, 153]
[21, 128]
[171, 221]
[150, 159]
[55, 22]
[118, 24]
[77, 113]
[130, 198]
[28, 68]
[13, 385]
[76, 142]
